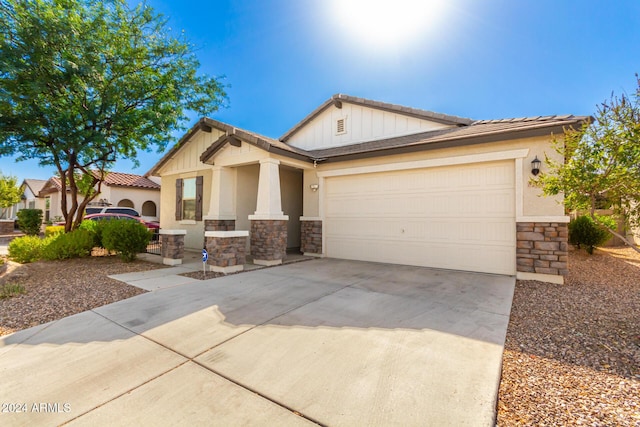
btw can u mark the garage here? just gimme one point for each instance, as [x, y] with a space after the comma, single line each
[458, 217]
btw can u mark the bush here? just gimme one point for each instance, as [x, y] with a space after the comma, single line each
[75, 244]
[53, 230]
[9, 290]
[30, 221]
[25, 249]
[126, 237]
[584, 232]
[95, 228]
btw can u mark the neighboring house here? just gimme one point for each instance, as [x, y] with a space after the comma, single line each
[366, 180]
[30, 200]
[118, 189]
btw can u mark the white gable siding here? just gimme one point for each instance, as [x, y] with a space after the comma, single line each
[362, 124]
[188, 157]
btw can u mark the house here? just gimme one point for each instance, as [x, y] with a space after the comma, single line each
[118, 189]
[366, 180]
[30, 189]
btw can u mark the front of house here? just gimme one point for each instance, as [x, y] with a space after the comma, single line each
[365, 180]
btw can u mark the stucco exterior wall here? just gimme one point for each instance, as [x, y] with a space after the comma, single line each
[534, 204]
[194, 238]
[246, 196]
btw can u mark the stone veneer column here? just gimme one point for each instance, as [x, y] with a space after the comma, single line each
[7, 226]
[311, 236]
[542, 248]
[219, 224]
[268, 241]
[227, 250]
[172, 246]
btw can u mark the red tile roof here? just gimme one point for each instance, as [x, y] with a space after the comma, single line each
[113, 179]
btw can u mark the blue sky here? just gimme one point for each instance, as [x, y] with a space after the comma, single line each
[480, 59]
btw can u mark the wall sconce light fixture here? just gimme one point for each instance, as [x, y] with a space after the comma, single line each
[314, 187]
[535, 166]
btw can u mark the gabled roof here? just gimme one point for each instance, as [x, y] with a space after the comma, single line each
[261, 141]
[478, 132]
[35, 185]
[113, 179]
[337, 99]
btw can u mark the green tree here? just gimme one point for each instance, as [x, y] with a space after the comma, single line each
[602, 162]
[85, 82]
[10, 193]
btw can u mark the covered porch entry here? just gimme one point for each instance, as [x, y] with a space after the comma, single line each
[256, 202]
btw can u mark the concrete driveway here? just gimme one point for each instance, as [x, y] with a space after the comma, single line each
[330, 342]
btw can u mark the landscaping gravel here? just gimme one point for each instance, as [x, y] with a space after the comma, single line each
[56, 289]
[572, 354]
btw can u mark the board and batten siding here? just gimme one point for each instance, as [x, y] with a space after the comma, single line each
[188, 157]
[361, 124]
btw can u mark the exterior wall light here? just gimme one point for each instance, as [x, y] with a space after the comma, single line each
[314, 187]
[535, 166]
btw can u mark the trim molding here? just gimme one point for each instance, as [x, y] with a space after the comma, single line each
[549, 278]
[562, 218]
[419, 164]
[173, 232]
[310, 218]
[224, 234]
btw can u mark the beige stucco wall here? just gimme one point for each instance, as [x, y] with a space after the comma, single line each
[195, 229]
[247, 194]
[534, 204]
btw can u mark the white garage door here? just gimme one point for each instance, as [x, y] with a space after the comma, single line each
[454, 217]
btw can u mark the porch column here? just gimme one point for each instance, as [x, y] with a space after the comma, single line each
[222, 213]
[268, 239]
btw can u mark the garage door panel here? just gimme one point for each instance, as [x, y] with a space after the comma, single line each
[482, 258]
[459, 217]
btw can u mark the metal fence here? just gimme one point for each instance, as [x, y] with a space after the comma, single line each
[155, 245]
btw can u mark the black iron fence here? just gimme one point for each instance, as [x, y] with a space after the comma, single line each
[155, 245]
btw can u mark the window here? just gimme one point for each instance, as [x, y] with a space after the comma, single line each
[126, 203]
[149, 208]
[32, 204]
[189, 199]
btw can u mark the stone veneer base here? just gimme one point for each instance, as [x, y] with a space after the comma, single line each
[311, 236]
[7, 226]
[268, 240]
[542, 249]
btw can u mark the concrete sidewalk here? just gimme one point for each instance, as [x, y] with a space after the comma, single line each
[329, 342]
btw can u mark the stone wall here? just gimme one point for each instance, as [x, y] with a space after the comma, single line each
[7, 226]
[219, 224]
[542, 248]
[226, 254]
[172, 248]
[311, 237]
[268, 240]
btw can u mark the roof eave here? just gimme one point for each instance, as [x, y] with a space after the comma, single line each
[446, 143]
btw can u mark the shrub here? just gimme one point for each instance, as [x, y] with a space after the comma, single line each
[9, 290]
[126, 237]
[584, 232]
[53, 230]
[25, 249]
[95, 228]
[30, 221]
[75, 244]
